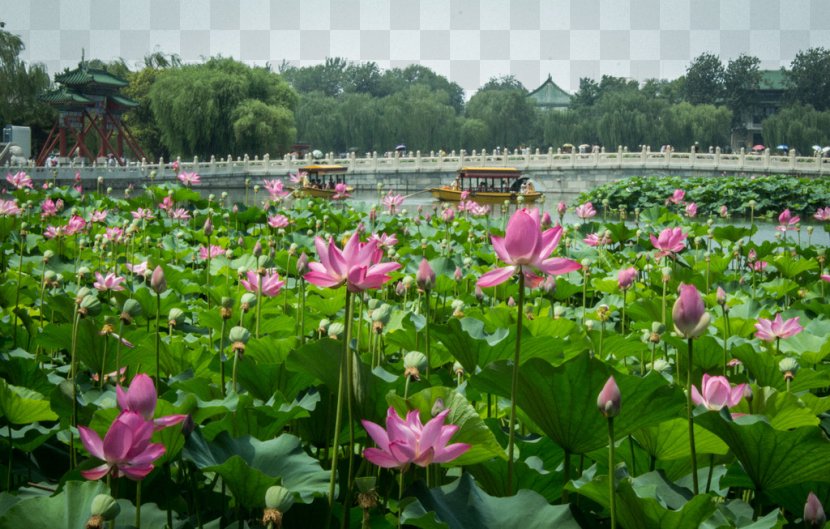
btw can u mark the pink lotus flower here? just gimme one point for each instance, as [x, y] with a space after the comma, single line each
[108, 282]
[114, 234]
[340, 191]
[53, 231]
[411, 441]
[275, 189]
[771, 330]
[142, 214]
[717, 393]
[19, 180]
[787, 221]
[525, 247]
[48, 208]
[465, 195]
[425, 277]
[8, 208]
[298, 177]
[626, 277]
[214, 251]
[393, 201]
[478, 210]
[179, 214]
[825, 277]
[126, 449]
[448, 215]
[689, 313]
[759, 266]
[814, 516]
[724, 212]
[75, 225]
[609, 399]
[585, 211]
[141, 398]
[691, 210]
[677, 197]
[383, 240]
[139, 269]
[271, 283]
[594, 239]
[166, 203]
[356, 265]
[175, 165]
[189, 178]
[98, 216]
[822, 214]
[278, 221]
[669, 242]
[115, 375]
[546, 221]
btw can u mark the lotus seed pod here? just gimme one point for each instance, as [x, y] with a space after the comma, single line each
[47, 255]
[131, 307]
[105, 506]
[661, 365]
[558, 311]
[279, 498]
[457, 368]
[90, 306]
[382, 314]
[239, 334]
[789, 367]
[175, 317]
[657, 327]
[324, 325]
[407, 281]
[414, 362]
[248, 301]
[373, 303]
[83, 271]
[50, 276]
[82, 293]
[336, 330]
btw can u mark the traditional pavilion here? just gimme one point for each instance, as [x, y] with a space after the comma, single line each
[550, 97]
[89, 105]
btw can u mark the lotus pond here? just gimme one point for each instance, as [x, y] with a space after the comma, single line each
[170, 359]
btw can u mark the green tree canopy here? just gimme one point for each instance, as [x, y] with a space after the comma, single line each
[808, 78]
[510, 117]
[704, 82]
[197, 108]
[799, 126]
[741, 81]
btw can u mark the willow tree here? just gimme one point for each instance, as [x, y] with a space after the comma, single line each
[211, 108]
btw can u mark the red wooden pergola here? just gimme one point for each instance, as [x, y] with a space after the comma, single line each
[89, 103]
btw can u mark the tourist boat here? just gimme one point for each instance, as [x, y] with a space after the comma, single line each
[488, 185]
[319, 180]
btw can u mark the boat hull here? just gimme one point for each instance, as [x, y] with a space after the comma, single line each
[315, 192]
[447, 194]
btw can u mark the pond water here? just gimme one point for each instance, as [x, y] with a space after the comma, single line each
[766, 230]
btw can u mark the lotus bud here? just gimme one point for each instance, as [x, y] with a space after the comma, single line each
[546, 221]
[789, 367]
[208, 227]
[479, 293]
[814, 517]
[511, 302]
[257, 249]
[130, 310]
[400, 289]
[609, 399]
[248, 301]
[414, 362]
[438, 406]
[425, 276]
[689, 313]
[336, 330]
[157, 281]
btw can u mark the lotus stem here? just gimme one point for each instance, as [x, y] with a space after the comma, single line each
[221, 355]
[338, 416]
[514, 386]
[302, 311]
[566, 475]
[258, 303]
[689, 408]
[13, 315]
[138, 504]
[427, 347]
[611, 488]
[158, 338]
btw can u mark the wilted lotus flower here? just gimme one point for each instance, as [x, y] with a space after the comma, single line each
[609, 399]
[814, 517]
[689, 313]
[410, 441]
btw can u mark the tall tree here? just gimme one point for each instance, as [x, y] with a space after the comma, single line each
[510, 117]
[799, 126]
[704, 81]
[20, 86]
[328, 78]
[809, 78]
[193, 104]
[741, 82]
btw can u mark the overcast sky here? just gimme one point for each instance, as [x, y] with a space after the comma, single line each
[468, 41]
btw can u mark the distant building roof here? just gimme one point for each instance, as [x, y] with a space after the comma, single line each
[65, 97]
[550, 95]
[83, 76]
[773, 80]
